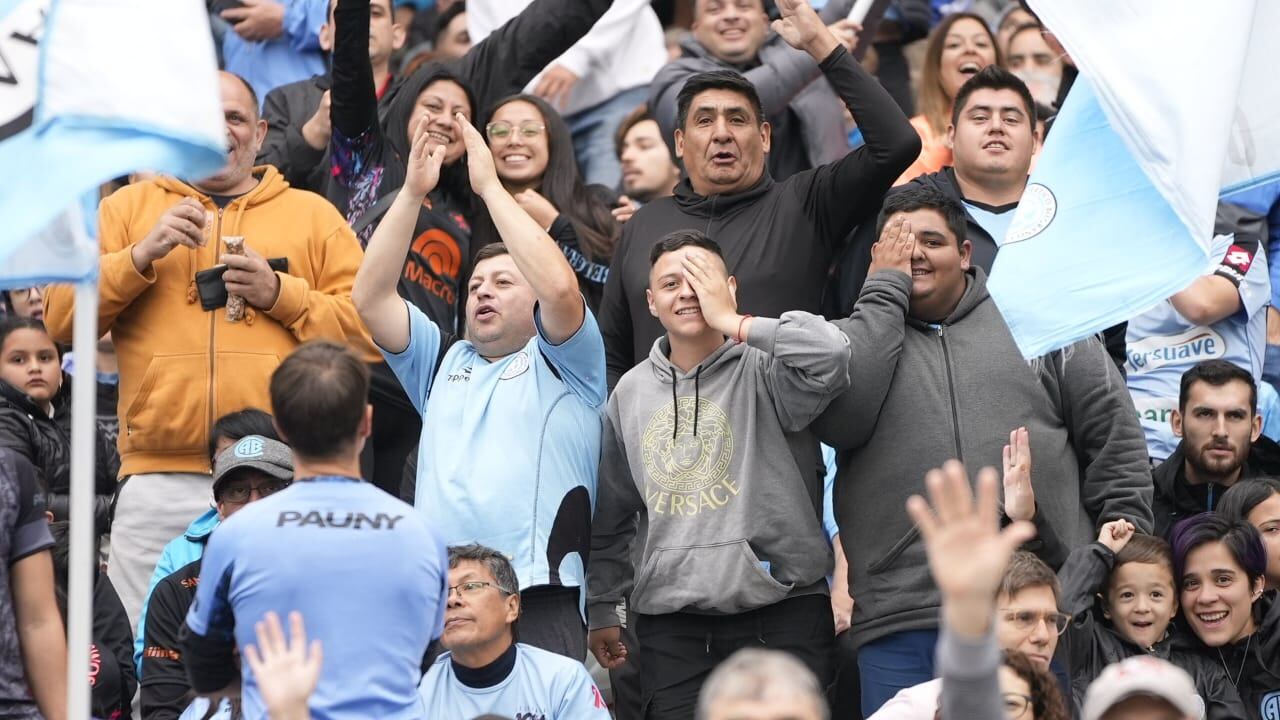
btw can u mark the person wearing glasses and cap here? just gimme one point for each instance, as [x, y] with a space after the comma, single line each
[484, 669]
[249, 470]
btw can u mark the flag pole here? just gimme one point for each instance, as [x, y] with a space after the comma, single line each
[84, 344]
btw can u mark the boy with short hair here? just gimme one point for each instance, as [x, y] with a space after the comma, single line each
[1121, 593]
[707, 438]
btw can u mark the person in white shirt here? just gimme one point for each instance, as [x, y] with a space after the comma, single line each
[604, 76]
[484, 670]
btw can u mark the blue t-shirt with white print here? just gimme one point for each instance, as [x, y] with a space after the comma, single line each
[361, 566]
[510, 448]
[542, 686]
[1161, 344]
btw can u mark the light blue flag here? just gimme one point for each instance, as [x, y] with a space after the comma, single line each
[1093, 242]
[92, 90]
[1119, 212]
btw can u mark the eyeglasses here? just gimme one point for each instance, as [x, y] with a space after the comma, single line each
[500, 129]
[240, 493]
[1026, 620]
[1015, 705]
[474, 587]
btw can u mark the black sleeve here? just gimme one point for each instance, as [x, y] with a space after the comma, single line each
[285, 147]
[30, 531]
[841, 194]
[506, 60]
[1083, 576]
[615, 315]
[165, 687]
[114, 633]
[1046, 545]
[15, 434]
[353, 99]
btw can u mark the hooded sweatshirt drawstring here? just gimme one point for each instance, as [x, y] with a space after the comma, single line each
[675, 401]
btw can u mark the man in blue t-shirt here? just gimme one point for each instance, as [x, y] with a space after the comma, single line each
[485, 670]
[511, 415]
[365, 571]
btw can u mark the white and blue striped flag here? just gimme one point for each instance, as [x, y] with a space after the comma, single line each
[1120, 210]
[91, 90]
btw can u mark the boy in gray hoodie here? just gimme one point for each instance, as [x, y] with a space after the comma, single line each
[706, 443]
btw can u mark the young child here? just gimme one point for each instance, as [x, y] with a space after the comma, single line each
[1122, 598]
[35, 415]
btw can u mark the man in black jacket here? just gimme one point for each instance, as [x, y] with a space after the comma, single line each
[1222, 443]
[778, 237]
[297, 114]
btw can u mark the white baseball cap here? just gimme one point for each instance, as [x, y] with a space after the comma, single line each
[1142, 676]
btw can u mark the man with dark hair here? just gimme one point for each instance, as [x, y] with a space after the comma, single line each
[938, 375]
[253, 468]
[804, 112]
[484, 668]
[706, 449]
[510, 440]
[993, 138]
[1221, 442]
[376, 623]
[166, 274]
[297, 114]
[779, 237]
[648, 173]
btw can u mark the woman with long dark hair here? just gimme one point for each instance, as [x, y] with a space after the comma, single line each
[533, 151]
[1257, 502]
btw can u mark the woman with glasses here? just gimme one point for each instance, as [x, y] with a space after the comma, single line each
[1221, 568]
[533, 152]
[25, 302]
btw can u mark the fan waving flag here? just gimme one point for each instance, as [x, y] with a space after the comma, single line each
[1119, 212]
[91, 90]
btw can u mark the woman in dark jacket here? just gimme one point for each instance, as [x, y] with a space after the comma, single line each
[533, 153]
[35, 417]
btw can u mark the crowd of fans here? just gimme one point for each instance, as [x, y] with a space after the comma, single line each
[574, 367]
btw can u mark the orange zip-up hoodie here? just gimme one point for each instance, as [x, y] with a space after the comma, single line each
[182, 367]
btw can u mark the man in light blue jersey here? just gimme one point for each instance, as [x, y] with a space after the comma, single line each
[1220, 316]
[360, 565]
[511, 414]
[484, 669]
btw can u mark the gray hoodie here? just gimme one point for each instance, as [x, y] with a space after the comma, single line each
[925, 393]
[729, 485]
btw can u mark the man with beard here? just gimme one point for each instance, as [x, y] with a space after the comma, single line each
[1217, 419]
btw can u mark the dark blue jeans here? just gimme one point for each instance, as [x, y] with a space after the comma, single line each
[893, 663]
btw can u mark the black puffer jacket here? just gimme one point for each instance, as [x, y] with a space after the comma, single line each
[46, 443]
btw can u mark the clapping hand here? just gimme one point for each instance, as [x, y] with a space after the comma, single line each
[423, 167]
[480, 167]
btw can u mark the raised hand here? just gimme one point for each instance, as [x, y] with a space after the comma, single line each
[894, 248]
[1019, 496]
[710, 282]
[967, 550]
[286, 671]
[802, 29]
[423, 167]
[480, 167]
[556, 84]
[1116, 534]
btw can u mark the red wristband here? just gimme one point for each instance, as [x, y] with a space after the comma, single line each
[738, 337]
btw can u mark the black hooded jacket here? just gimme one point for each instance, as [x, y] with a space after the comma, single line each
[45, 442]
[778, 237]
[1176, 499]
[1254, 663]
[1093, 643]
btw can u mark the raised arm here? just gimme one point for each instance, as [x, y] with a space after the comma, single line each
[353, 98]
[374, 292]
[876, 331]
[539, 259]
[505, 61]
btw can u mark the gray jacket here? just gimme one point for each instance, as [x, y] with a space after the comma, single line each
[720, 468]
[925, 393]
[784, 78]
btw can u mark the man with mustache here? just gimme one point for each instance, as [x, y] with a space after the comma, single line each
[1222, 442]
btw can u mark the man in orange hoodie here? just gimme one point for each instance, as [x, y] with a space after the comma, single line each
[182, 362]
